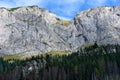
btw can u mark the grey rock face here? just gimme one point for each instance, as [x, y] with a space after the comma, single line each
[100, 24]
[31, 30]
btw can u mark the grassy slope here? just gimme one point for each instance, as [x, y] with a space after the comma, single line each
[18, 57]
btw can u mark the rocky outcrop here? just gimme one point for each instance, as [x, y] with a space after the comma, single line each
[29, 30]
[32, 30]
[101, 24]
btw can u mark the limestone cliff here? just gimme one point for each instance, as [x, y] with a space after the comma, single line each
[32, 30]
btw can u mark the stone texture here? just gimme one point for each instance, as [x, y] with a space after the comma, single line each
[100, 24]
[32, 30]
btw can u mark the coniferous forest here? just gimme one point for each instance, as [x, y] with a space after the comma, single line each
[89, 63]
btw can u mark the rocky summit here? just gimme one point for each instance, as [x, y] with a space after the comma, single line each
[31, 30]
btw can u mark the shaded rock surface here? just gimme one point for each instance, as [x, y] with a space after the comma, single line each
[32, 30]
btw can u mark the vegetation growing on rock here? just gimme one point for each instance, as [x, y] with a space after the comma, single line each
[13, 9]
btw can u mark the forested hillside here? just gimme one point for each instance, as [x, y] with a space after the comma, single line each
[89, 63]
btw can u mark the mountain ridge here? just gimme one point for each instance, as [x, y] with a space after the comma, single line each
[31, 30]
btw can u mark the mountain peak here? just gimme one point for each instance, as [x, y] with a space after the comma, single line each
[104, 9]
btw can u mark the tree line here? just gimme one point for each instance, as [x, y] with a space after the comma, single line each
[89, 63]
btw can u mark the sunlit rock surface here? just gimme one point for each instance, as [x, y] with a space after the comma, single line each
[32, 30]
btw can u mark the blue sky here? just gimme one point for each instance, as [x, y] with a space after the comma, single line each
[66, 9]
